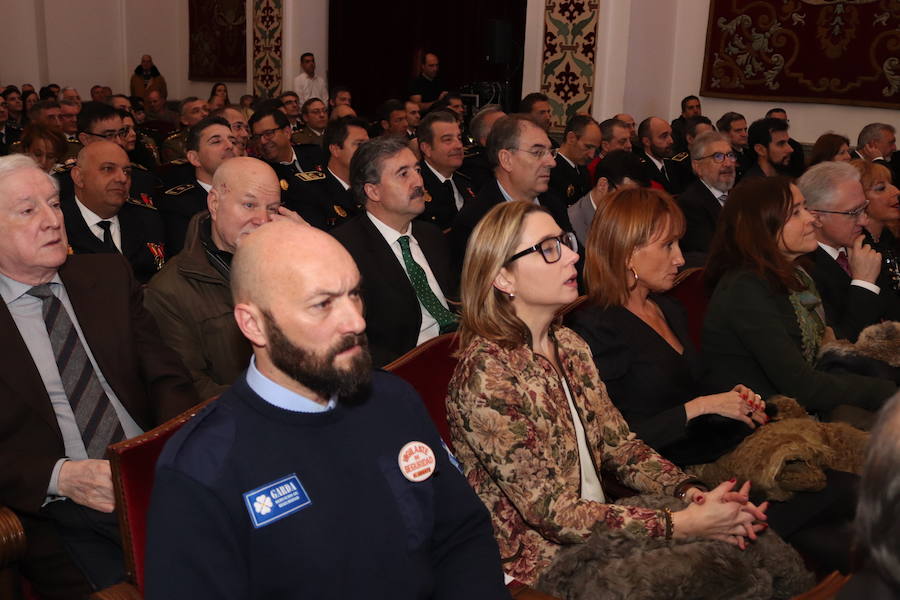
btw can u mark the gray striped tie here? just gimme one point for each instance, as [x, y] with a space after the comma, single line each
[94, 413]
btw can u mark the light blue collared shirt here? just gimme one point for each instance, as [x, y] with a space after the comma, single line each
[27, 313]
[509, 198]
[280, 396]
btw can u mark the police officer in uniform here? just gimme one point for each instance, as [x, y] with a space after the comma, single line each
[334, 195]
[299, 168]
[446, 189]
[209, 143]
[191, 111]
[581, 140]
[101, 218]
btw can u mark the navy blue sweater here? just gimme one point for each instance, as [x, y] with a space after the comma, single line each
[345, 522]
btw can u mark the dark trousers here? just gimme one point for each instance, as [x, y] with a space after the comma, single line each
[819, 524]
[72, 550]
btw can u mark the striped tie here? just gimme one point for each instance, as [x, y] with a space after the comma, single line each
[94, 413]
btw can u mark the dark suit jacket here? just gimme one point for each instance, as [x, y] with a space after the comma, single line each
[393, 313]
[440, 209]
[475, 166]
[146, 375]
[488, 197]
[672, 182]
[701, 213]
[848, 308]
[177, 205]
[568, 183]
[140, 225]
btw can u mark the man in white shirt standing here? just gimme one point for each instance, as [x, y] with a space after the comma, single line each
[307, 84]
[405, 264]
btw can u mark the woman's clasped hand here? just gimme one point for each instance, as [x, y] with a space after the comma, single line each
[723, 513]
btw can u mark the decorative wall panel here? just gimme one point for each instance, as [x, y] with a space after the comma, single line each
[570, 40]
[831, 51]
[217, 41]
[267, 59]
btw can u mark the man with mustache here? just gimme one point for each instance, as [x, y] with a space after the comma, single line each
[405, 263]
[313, 476]
[440, 141]
[100, 217]
[714, 162]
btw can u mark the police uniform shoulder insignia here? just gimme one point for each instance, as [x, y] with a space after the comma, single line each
[64, 167]
[284, 184]
[310, 176]
[180, 189]
[178, 161]
[173, 136]
[340, 210]
[680, 157]
[137, 166]
[144, 201]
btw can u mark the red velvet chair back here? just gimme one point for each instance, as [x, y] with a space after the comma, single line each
[428, 368]
[690, 290]
[133, 465]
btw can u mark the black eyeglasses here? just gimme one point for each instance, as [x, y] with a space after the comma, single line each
[550, 248]
[855, 213]
[719, 157]
[121, 133]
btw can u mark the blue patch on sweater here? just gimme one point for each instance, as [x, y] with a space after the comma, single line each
[273, 501]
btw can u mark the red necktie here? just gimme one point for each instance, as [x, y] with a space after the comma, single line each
[844, 263]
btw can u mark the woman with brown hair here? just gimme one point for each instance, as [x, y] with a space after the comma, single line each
[640, 343]
[530, 419]
[830, 146]
[765, 324]
[45, 145]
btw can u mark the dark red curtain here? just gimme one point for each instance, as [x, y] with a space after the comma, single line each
[375, 47]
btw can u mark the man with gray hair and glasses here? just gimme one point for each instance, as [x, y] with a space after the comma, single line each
[714, 161]
[845, 269]
[83, 366]
[521, 156]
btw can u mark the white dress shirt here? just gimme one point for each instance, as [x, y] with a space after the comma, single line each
[307, 88]
[430, 327]
[93, 220]
[457, 197]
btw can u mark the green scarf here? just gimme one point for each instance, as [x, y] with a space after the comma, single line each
[810, 315]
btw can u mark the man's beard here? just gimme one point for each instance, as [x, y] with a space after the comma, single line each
[318, 372]
[661, 152]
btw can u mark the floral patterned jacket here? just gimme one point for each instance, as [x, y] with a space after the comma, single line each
[514, 435]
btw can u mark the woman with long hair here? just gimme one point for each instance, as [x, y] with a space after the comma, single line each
[765, 323]
[531, 421]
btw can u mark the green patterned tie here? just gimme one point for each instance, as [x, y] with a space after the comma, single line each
[424, 293]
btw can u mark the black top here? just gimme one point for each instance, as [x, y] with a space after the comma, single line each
[253, 501]
[429, 89]
[650, 382]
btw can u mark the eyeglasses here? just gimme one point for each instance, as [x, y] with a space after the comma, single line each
[121, 133]
[719, 157]
[855, 213]
[266, 135]
[539, 153]
[550, 248]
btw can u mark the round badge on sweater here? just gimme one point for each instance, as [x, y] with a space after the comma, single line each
[416, 461]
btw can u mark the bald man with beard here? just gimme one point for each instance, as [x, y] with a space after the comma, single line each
[313, 476]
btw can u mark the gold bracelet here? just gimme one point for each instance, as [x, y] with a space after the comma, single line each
[670, 525]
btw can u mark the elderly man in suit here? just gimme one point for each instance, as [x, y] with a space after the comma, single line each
[522, 158]
[405, 263]
[83, 367]
[714, 162]
[847, 271]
